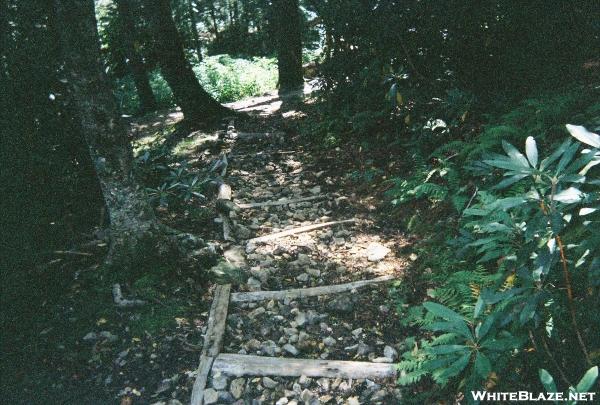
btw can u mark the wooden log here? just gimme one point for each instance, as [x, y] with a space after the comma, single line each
[201, 380]
[216, 321]
[302, 229]
[306, 292]
[72, 253]
[213, 339]
[280, 202]
[248, 365]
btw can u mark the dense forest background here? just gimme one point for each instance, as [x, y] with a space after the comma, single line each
[446, 87]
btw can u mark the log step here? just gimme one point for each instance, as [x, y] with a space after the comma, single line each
[305, 292]
[249, 365]
[294, 231]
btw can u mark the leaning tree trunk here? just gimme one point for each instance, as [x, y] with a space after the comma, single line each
[289, 43]
[197, 105]
[134, 60]
[134, 229]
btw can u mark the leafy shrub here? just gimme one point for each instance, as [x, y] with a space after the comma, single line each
[229, 79]
[225, 78]
[535, 228]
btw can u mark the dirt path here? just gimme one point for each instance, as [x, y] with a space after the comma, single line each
[357, 325]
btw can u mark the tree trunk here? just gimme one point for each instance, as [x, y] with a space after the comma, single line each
[195, 33]
[213, 17]
[197, 105]
[134, 229]
[134, 61]
[289, 43]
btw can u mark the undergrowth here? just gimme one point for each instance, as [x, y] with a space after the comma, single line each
[225, 78]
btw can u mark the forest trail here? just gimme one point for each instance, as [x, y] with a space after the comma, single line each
[303, 326]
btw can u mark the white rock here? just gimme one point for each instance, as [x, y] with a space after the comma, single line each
[269, 383]
[290, 349]
[329, 341]
[300, 318]
[219, 381]
[211, 396]
[237, 387]
[253, 284]
[376, 252]
[390, 353]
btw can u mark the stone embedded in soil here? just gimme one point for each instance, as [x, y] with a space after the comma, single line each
[342, 303]
[219, 381]
[235, 256]
[363, 349]
[300, 318]
[390, 353]
[252, 345]
[237, 387]
[253, 284]
[291, 349]
[376, 252]
[329, 341]
[269, 348]
[211, 396]
[379, 396]
[352, 401]
[268, 382]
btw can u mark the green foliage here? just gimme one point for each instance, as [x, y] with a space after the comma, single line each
[584, 385]
[541, 212]
[230, 79]
[174, 183]
[227, 79]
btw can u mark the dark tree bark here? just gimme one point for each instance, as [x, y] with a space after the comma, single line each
[213, 17]
[197, 105]
[134, 60]
[134, 229]
[286, 15]
[195, 34]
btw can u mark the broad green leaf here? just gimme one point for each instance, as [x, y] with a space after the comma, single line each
[531, 151]
[479, 307]
[569, 196]
[455, 368]
[443, 312]
[502, 344]
[483, 367]
[460, 328]
[588, 380]
[583, 135]
[556, 154]
[587, 211]
[505, 163]
[567, 157]
[514, 154]
[392, 94]
[528, 310]
[447, 349]
[509, 202]
[510, 181]
[486, 326]
[547, 381]
[584, 160]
